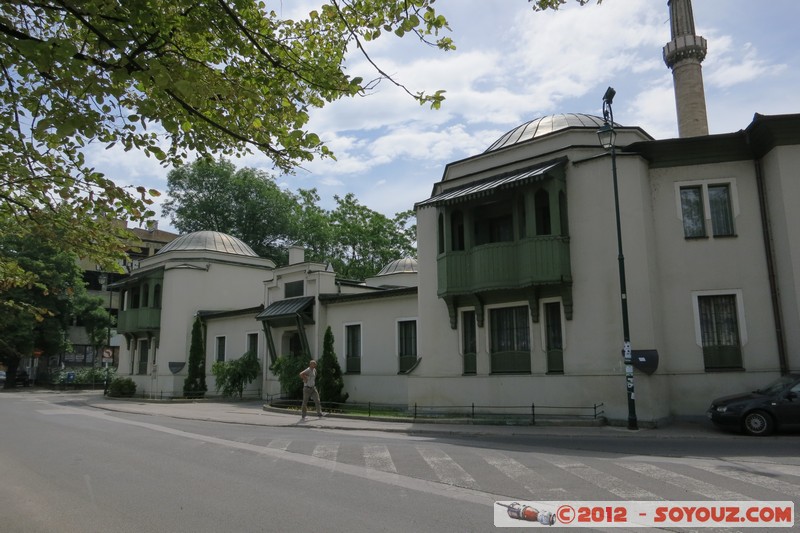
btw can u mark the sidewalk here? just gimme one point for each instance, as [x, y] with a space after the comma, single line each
[254, 413]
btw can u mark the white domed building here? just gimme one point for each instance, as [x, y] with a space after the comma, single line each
[519, 287]
[160, 299]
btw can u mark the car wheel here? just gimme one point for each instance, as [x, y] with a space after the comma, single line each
[758, 423]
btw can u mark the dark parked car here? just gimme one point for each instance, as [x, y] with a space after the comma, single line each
[774, 407]
[23, 380]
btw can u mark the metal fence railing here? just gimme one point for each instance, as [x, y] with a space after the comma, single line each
[519, 413]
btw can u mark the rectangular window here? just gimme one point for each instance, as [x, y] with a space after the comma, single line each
[694, 219]
[717, 198]
[143, 353]
[493, 224]
[553, 338]
[510, 340]
[352, 348]
[407, 344]
[469, 342]
[252, 343]
[719, 202]
[220, 349]
[719, 331]
[457, 230]
[292, 289]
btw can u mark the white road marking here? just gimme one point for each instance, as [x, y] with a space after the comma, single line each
[753, 478]
[445, 468]
[389, 478]
[684, 482]
[530, 479]
[377, 457]
[613, 484]
[278, 444]
[326, 450]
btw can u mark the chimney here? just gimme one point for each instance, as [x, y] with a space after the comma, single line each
[297, 255]
[683, 54]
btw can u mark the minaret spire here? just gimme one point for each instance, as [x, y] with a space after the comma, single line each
[683, 54]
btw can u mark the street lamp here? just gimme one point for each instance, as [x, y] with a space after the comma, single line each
[607, 137]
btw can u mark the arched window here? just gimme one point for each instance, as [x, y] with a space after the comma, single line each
[135, 293]
[157, 296]
[542, 201]
[457, 230]
[562, 213]
[441, 233]
[145, 295]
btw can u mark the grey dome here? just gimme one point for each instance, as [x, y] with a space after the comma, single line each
[543, 125]
[211, 241]
[399, 266]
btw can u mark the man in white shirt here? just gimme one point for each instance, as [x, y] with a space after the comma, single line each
[309, 377]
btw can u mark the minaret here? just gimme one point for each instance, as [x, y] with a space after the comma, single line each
[683, 54]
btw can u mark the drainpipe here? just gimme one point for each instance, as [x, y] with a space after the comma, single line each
[769, 253]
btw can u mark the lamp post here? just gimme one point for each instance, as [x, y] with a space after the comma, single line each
[607, 137]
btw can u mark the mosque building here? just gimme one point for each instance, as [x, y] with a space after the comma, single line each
[514, 297]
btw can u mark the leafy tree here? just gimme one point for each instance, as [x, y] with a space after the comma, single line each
[96, 320]
[233, 376]
[194, 386]
[313, 229]
[36, 315]
[541, 5]
[168, 78]
[329, 373]
[245, 203]
[248, 204]
[287, 368]
[367, 240]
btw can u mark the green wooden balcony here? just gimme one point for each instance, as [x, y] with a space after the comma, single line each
[505, 265]
[146, 318]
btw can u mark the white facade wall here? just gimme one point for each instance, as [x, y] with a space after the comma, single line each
[729, 265]
[235, 331]
[377, 317]
[185, 291]
[781, 169]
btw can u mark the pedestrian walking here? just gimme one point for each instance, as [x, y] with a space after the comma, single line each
[309, 377]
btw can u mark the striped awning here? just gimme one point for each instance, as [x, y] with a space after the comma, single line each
[286, 309]
[488, 186]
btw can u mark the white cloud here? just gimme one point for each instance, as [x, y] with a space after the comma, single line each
[728, 71]
[512, 65]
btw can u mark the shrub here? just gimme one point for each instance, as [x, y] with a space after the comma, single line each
[233, 376]
[195, 384]
[122, 388]
[287, 368]
[83, 375]
[329, 374]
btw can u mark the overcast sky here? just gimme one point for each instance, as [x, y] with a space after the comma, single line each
[513, 65]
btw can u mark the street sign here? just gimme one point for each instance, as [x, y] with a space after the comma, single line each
[108, 356]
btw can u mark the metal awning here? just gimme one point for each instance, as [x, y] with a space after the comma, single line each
[488, 186]
[288, 309]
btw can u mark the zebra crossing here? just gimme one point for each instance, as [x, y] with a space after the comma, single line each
[547, 476]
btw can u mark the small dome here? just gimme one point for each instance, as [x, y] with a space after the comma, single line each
[544, 125]
[399, 266]
[211, 241]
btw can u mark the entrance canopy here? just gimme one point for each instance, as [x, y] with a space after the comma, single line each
[284, 312]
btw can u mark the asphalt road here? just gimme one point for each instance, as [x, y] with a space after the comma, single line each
[66, 467]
